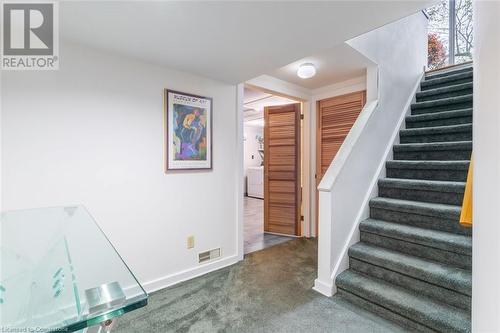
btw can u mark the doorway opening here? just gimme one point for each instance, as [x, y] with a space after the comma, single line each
[272, 169]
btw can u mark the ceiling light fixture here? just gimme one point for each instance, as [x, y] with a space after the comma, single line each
[306, 71]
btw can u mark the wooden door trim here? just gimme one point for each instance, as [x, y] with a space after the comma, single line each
[298, 173]
[266, 167]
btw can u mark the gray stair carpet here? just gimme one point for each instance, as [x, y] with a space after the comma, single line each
[413, 262]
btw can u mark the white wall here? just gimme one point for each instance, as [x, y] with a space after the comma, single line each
[92, 134]
[400, 51]
[251, 147]
[486, 141]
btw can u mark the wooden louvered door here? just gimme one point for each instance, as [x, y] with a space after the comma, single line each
[282, 169]
[335, 117]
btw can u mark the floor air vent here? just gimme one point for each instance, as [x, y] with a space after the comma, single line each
[208, 255]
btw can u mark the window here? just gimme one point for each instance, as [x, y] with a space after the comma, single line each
[450, 33]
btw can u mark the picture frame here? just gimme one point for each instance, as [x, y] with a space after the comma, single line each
[188, 131]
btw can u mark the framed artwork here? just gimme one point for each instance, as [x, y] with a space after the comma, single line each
[188, 139]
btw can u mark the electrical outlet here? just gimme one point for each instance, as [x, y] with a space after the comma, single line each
[190, 242]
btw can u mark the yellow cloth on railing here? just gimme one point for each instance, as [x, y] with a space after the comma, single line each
[466, 214]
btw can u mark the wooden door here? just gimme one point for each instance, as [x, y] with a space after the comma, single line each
[335, 117]
[282, 197]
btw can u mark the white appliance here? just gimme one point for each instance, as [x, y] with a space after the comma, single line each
[255, 182]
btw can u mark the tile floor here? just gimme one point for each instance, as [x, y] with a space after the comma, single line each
[254, 236]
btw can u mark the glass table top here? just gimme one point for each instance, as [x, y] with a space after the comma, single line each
[59, 272]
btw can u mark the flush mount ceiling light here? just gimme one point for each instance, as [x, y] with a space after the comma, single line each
[306, 71]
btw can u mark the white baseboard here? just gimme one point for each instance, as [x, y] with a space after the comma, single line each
[172, 279]
[327, 289]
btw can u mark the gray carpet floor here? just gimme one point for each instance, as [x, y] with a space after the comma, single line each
[269, 291]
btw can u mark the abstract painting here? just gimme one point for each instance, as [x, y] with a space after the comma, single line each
[188, 131]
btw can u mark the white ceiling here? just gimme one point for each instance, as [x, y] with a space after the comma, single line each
[251, 95]
[337, 64]
[228, 41]
[254, 102]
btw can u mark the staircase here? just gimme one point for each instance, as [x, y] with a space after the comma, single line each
[413, 263]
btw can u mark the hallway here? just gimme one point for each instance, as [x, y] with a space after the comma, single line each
[269, 291]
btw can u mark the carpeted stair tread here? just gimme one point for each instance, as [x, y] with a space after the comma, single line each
[446, 102]
[449, 133]
[417, 207]
[412, 245]
[427, 237]
[428, 169]
[434, 146]
[423, 310]
[421, 184]
[432, 191]
[449, 119]
[447, 72]
[431, 93]
[423, 288]
[444, 135]
[409, 325]
[452, 79]
[442, 275]
[439, 115]
[429, 165]
[436, 130]
[433, 151]
[437, 216]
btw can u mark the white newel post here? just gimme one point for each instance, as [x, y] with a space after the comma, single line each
[323, 283]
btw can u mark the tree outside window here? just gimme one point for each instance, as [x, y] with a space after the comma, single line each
[460, 37]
